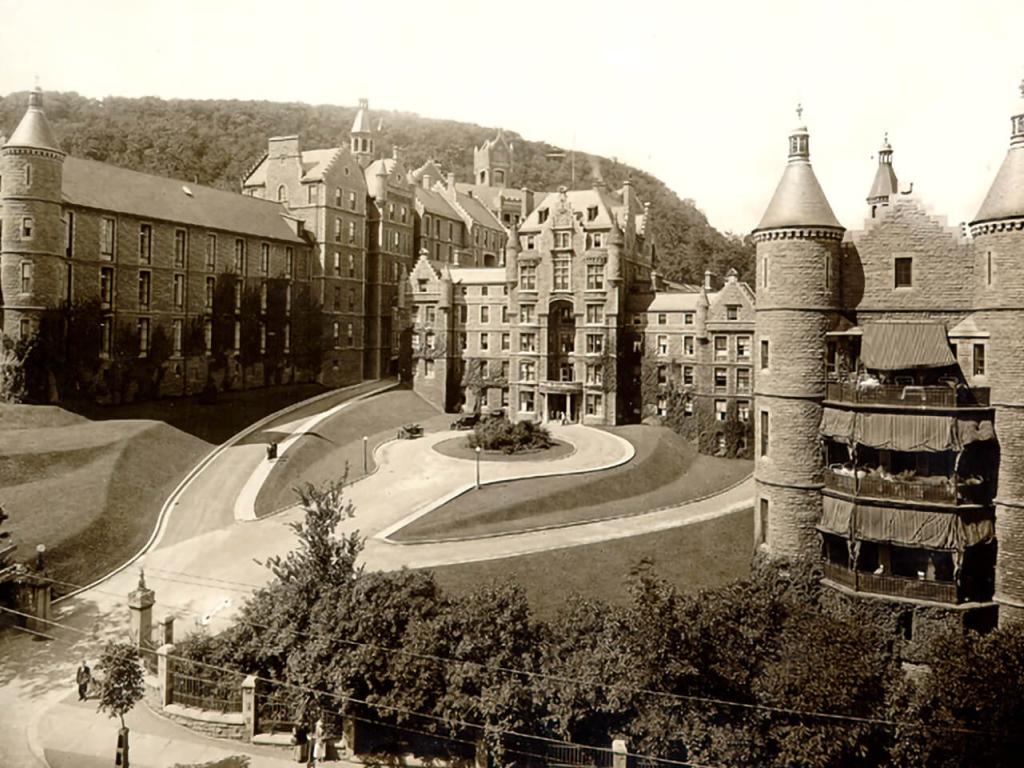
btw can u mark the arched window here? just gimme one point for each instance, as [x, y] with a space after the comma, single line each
[282, 194]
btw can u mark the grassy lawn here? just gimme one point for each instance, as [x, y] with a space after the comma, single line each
[90, 484]
[666, 470]
[338, 442]
[692, 557]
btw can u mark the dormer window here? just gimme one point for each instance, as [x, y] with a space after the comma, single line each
[542, 215]
[592, 213]
[563, 239]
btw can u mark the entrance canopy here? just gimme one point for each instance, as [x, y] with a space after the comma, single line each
[899, 346]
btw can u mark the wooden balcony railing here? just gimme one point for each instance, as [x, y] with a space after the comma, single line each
[910, 396]
[893, 586]
[878, 487]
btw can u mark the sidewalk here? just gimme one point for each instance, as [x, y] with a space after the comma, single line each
[73, 734]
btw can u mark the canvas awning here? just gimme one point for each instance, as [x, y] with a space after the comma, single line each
[904, 431]
[953, 531]
[898, 346]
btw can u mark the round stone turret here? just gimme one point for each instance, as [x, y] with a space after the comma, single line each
[797, 251]
[32, 252]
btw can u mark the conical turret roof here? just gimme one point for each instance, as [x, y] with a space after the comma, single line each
[1005, 198]
[885, 183]
[798, 200]
[361, 124]
[34, 129]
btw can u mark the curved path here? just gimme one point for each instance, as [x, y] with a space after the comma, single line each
[204, 561]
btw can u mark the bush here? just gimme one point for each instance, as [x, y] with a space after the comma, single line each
[504, 435]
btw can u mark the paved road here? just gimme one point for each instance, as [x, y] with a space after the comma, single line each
[205, 561]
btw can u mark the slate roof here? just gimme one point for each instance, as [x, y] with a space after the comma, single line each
[676, 302]
[798, 201]
[34, 129]
[436, 203]
[478, 275]
[91, 184]
[1005, 198]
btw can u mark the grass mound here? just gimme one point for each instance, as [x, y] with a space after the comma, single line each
[665, 470]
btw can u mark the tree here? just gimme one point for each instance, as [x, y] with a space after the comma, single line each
[123, 685]
[12, 373]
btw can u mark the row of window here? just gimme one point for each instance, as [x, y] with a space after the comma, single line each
[721, 346]
[527, 342]
[313, 195]
[563, 241]
[721, 408]
[561, 275]
[720, 378]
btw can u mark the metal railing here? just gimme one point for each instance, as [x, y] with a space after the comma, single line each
[893, 586]
[878, 487]
[206, 693]
[909, 395]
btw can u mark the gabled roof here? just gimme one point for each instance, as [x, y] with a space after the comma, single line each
[608, 204]
[429, 168]
[478, 275]
[315, 162]
[436, 203]
[91, 184]
[478, 211]
[488, 195]
[670, 301]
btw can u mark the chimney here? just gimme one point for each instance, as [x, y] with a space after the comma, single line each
[451, 186]
[394, 152]
[526, 204]
[426, 181]
[707, 279]
[627, 203]
[283, 146]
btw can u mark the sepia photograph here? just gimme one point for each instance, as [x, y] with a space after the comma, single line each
[552, 385]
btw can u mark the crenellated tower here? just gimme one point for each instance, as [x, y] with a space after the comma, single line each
[492, 161]
[33, 269]
[998, 232]
[797, 250]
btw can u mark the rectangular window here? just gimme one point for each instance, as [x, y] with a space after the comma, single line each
[526, 402]
[211, 284]
[595, 374]
[504, 314]
[688, 375]
[527, 371]
[337, 264]
[594, 404]
[463, 313]
[236, 342]
[742, 347]
[485, 314]
[351, 201]
[311, 194]
[527, 277]
[662, 406]
[336, 334]
[560, 267]
[211, 253]
[979, 360]
[287, 338]
[177, 332]
[463, 342]
[145, 244]
[743, 410]
[903, 268]
[595, 343]
[762, 528]
[595, 313]
[563, 239]
[208, 336]
[240, 256]
[431, 314]
[26, 277]
[264, 258]
[527, 342]
[764, 433]
[485, 339]
[721, 379]
[337, 230]
[106, 336]
[263, 295]
[506, 342]
[145, 289]
[430, 340]
[108, 236]
[106, 287]
[662, 374]
[721, 410]
[531, 243]
[289, 261]
[179, 291]
[351, 232]
[350, 335]
[143, 327]
[526, 313]
[662, 318]
[764, 354]
[732, 312]
[688, 346]
[263, 337]
[69, 235]
[688, 406]
[663, 345]
[764, 272]
[337, 298]
[988, 268]
[180, 248]
[337, 197]
[742, 379]
[688, 318]
[428, 369]
[238, 295]
[595, 277]
[721, 347]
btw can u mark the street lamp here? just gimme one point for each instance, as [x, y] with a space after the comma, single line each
[478, 467]
[364, 454]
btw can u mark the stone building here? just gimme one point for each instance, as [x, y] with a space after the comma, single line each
[889, 386]
[697, 346]
[541, 335]
[203, 284]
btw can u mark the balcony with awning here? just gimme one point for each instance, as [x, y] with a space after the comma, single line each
[901, 365]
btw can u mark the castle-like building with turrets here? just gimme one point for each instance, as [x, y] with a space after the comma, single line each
[889, 416]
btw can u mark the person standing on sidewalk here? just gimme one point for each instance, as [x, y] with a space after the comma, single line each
[83, 677]
[320, 743]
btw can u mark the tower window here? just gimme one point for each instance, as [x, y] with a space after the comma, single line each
[764, 433]
[28, 175]
[903, 272]
[988, 268]
[27, 228]
[764, 272]
[26, 277]
[762, 528]
[764, 354]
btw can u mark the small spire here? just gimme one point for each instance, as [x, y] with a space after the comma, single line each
[799, 112]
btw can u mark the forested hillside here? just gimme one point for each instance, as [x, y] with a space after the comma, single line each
[214, 142]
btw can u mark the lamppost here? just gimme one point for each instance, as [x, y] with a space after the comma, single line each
[364, 454]
[478, 467]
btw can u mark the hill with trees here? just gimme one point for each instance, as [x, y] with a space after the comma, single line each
[214, 142]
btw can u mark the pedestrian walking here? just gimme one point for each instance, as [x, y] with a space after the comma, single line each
[83, 677]
[320, 743]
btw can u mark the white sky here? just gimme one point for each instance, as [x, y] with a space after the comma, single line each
[700, 94]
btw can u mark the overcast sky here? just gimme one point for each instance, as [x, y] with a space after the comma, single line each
[700, 94]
